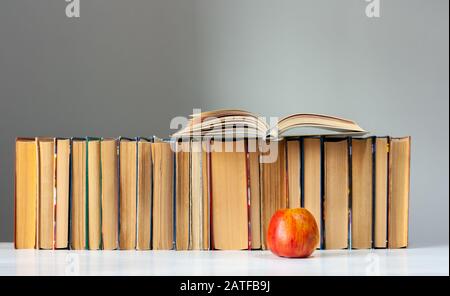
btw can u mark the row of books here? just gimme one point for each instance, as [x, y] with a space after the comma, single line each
[139, 193]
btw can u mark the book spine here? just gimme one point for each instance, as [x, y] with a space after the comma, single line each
[350, 191]
[322, 193]
[101, 194]
[86, 244]
[137, 166]
[38, 189]
[302, 172]
[374, 181]
[247, 174]
[118, 191]
[54, 193]
[15, 195]
[69, 232]
[174, 203]
[211, 203]
[151, 195]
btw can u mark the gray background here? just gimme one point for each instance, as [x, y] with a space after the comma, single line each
[128, 67]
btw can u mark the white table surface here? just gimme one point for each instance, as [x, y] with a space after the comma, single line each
[412, 261]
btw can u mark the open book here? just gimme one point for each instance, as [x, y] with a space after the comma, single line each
[240, 123]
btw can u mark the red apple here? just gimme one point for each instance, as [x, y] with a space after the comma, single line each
[292, 233]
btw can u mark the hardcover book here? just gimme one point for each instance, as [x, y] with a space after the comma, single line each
[197, 201]
[78, 200]
[273, 188]
[62, 193]
[26, 193]
[312, 179]
[229, 195]
[128, 191]
[381, 191]
[110, 193]
[293, 172]
[46, 147]
[362, 193]
[94, 194]
[336, 193]
[144, 194]
[398, 204]
[163, 196]
[206, 197]
[183, 195]
[253, 176]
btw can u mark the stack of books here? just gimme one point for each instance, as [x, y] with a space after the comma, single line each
[200, 192]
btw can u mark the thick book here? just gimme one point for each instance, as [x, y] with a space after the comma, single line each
[26, 193]
[312, 179]
[183, 195]
[399, 182]
[255, 193]
[199, 195]
[336, 193]
[163, 196]
[206, 198]
[144, 194]
[46, 147]
[241, 123]
[62, 193]
[197, 202]
[362, 193]
[94, 194]
[381, 192]
[110, 193]
[293, 164]
[273, 188]
[128, 190]
[229, 195]
[78, 199]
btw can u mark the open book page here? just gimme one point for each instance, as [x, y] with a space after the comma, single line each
[239, 123]
[298, 124]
